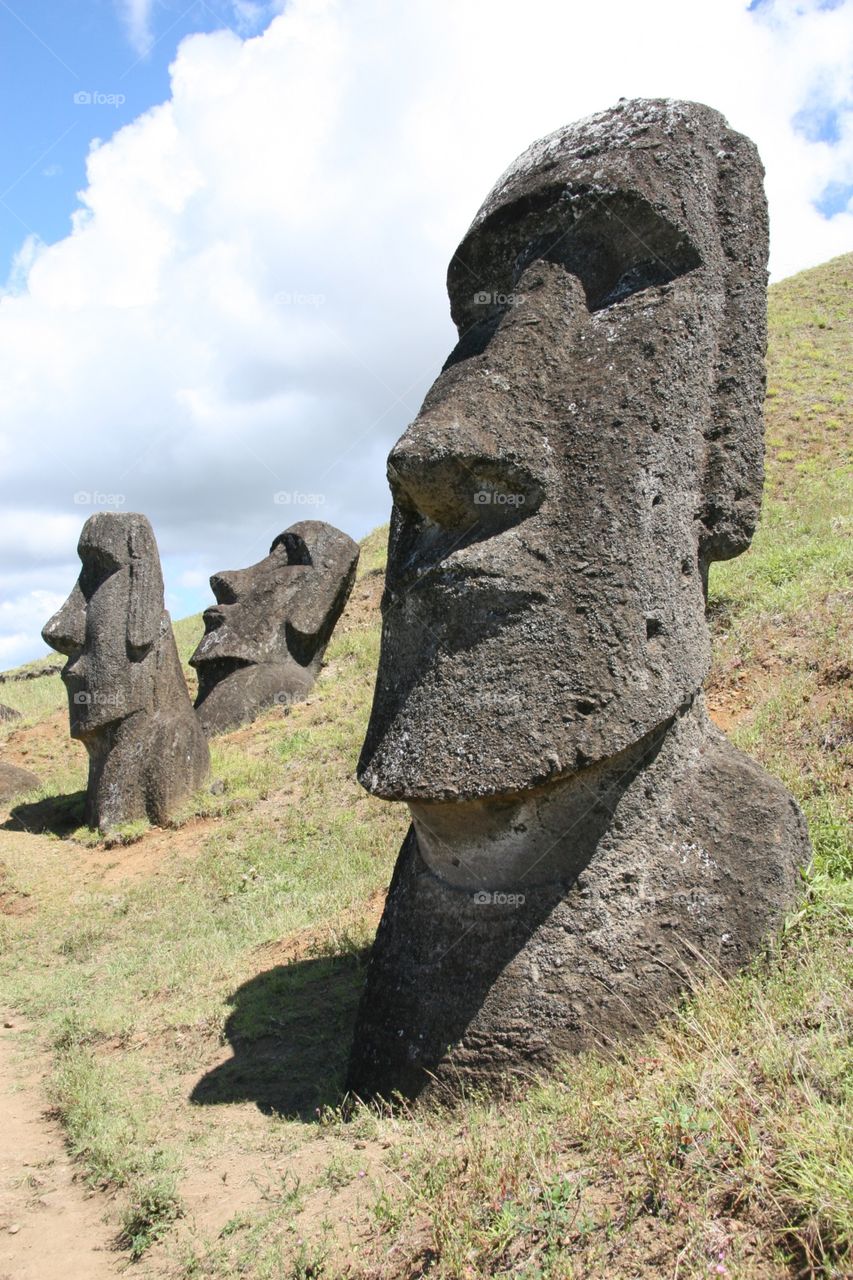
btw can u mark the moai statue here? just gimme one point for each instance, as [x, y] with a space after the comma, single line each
[584, 842]
[127, 697]
[265, 637]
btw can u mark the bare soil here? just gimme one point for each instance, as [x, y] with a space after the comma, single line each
[51, 1226]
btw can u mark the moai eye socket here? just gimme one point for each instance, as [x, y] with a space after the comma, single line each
[97, 565]
[616, 243]
[620, 245]
[473, 341]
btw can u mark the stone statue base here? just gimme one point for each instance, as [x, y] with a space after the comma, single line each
[144, 767]
[685, 858]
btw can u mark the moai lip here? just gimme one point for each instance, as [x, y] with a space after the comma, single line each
[583, 842]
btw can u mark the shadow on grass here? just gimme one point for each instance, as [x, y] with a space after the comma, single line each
[59, 815]
[290, 1033]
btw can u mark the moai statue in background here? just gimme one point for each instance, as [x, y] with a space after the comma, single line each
[584, 842]
[265, 637]
[127, 697]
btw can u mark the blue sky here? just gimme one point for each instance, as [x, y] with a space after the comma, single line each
[824, 121]
[73, 70]
[238, 294]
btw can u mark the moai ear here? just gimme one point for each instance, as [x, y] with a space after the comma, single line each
[295, 547]
[145, 604]
[734, 468]
[316, 605]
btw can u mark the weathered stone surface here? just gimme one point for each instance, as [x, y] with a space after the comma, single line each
[265, 638]
[14, 781]
[593, 443]
[7, 714]
[127, 698]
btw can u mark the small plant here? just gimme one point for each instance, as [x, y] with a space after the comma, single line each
[80, 943]
[340, 1171]
[290, 1193]
[154, 1206]
[308, 1263]
[293, 745]
[240, 1222]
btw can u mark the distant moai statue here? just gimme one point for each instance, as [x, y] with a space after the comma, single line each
[584, 842]
[265, 637]
[127, 698]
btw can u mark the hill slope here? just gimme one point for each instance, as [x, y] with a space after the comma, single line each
[186, 989]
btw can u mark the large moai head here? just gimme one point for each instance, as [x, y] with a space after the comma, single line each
[583, 839]
[265, 637]
[127, 698]
[592, 444]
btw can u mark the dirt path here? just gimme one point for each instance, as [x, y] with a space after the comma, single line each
[50, 1228]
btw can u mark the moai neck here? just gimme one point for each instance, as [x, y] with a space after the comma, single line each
[549, 834]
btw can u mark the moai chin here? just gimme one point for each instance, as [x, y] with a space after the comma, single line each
[584, 842]
[127, 698]
[265, 637]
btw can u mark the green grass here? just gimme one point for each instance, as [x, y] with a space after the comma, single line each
[198, 1013]
[188, 632]
[34, 699]
[106, 1141]
[373, 552]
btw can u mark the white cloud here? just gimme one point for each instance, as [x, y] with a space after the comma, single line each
[36, 538]
[15, 648]
[21, 618]
[251, 300]
[137, 19]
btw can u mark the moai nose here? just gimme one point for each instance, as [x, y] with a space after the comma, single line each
[451, 474]
[66, 630]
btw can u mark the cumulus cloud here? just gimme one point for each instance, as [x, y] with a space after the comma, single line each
[250, 304]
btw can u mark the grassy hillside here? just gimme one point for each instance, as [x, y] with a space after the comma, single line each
[194, 989]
